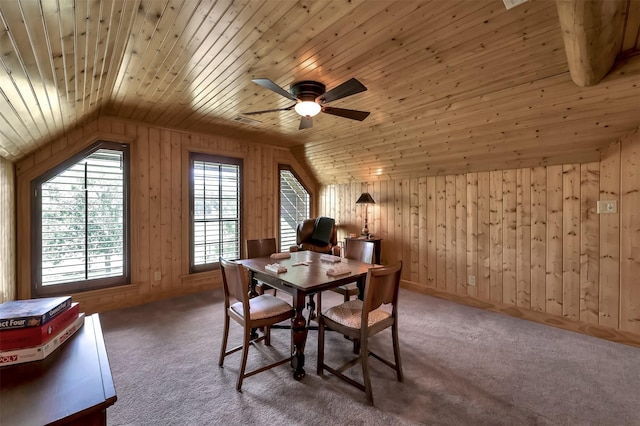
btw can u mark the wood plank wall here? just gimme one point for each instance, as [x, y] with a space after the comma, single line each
[530, 238]
[7, 231]
[159, 204]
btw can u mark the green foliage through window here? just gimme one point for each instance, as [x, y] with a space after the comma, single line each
[215, 206]
[82, 220]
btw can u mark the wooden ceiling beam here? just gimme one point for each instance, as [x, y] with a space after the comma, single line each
[593, 31]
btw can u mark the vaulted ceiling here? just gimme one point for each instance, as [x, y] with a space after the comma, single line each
[453, 86]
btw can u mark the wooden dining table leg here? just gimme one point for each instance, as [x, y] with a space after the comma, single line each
[360, 284]
[299, 332]
[253, 293]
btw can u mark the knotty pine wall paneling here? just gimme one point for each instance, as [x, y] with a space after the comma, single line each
[538, 222]
[609, 240]
[509, 223]
[159, 204]
[523, 238]
[495, 243]
[7, 231]
[589, 242]
[484, 234]
[553, 285]
[472, 231]
[629, 208]
[530, 237]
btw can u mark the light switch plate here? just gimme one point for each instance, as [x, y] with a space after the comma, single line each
[604, 207]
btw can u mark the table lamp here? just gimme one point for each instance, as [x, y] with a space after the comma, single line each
[365, 198]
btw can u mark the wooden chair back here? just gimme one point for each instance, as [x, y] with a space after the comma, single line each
[268, 311]
[261, 247]
[360, 250]
[381, 287]
[235, 284]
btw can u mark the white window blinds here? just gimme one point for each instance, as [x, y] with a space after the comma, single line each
[294, 207]
[83, 220]
[216, 212]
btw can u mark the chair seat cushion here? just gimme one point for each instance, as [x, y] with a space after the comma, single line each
[350, 314]
[263, 306]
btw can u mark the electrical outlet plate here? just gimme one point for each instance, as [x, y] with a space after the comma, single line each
[157, 276]
[472, 280]
[604, 207]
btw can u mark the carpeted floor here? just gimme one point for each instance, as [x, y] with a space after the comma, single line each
[462, 366]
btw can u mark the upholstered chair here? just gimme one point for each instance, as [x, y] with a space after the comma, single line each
[317, 234]
[262, 311]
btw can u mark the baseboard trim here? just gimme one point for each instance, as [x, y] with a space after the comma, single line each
[601, 332]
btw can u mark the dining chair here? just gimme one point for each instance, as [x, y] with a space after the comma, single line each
[356, 250]
[261, 248]
[361, 319]
[262, 311]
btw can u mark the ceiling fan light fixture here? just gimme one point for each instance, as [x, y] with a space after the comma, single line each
[308, 108]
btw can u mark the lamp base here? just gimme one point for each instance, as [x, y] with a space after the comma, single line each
[365, 229]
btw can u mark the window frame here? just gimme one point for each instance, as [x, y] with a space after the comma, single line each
[221, 159]
[286, 167]
[37, 288]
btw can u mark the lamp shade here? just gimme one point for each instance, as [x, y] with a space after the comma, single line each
[365, 198]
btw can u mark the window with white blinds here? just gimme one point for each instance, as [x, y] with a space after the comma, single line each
[215, 210]
[81, 218]
[295, 206]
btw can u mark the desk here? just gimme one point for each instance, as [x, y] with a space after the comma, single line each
[72, 386]
[301, 281]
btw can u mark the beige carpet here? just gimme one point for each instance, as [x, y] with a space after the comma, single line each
[462, 366]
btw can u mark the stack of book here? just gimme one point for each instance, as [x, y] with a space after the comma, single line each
[30, 330]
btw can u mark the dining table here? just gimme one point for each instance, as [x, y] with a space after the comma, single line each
[302, 275]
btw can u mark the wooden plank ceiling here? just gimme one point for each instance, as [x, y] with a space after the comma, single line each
[453, 86]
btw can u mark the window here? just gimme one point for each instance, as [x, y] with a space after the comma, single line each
[81, 222]
[295, 206]
[214, 199]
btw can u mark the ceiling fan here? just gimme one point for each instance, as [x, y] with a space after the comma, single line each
[311, 99]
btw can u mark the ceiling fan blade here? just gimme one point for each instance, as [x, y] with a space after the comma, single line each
[265, 82]
[289, 108]
[305, 123]
[348, 88]
[347, 113]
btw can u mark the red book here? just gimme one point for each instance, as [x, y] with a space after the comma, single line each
[36, 336]
[36, 353]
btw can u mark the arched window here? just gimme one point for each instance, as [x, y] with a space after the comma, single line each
[295, 206]
[80, 222]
